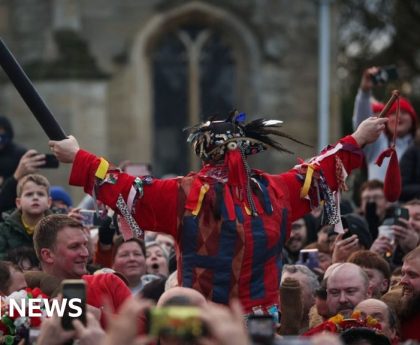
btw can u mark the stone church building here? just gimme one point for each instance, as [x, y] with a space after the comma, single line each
[126, 76]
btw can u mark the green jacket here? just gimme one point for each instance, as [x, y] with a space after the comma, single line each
[13, 234]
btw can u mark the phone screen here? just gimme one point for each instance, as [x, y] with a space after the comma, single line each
[261, 328]
[74, 291]
[309, 258]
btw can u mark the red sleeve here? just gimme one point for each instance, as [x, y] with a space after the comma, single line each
[155, 210]
[350, 155]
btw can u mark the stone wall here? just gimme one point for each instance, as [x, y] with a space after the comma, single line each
[112, 116]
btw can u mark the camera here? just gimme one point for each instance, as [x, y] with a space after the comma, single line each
[384, 75]
[181, 322]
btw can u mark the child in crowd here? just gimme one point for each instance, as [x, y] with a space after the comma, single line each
[32, 204]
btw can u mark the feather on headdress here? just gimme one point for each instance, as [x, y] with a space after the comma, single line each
[210, 139]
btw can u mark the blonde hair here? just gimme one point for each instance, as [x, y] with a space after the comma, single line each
[39, 180]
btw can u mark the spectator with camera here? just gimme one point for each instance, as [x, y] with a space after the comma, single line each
[356, 237]
[373, 204]
[29, 163]
[404, 130]
[398, 234]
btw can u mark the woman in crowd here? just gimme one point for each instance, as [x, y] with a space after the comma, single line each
[157, 259]
[129, 260]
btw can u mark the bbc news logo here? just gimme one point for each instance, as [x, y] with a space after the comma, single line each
[38, 307]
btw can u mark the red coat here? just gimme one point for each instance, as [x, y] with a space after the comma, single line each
[222, 250]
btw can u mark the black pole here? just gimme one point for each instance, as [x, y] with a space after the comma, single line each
[29, 94]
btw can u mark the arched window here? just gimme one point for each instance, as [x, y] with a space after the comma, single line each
[194, 75]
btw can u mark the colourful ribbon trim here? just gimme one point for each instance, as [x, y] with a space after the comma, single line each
[247, 210]
[102, 169]
[308, 179]
[203, 190]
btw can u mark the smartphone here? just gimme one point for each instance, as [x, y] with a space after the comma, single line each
[385, 75]
[181, 322]
[88, 218]
[261, 329]
[51, 162]
[74, 291]
[309, 258]
[398, 212]
[138, 169]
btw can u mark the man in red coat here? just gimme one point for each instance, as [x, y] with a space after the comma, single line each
[229, 221]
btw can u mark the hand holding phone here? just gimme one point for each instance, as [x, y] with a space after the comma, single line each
[309, 258]
[88, 217]
[51, 162]
[393, 218]
[384, 75]
[74, 295]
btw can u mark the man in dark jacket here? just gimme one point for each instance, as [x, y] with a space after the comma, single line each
[10, 153]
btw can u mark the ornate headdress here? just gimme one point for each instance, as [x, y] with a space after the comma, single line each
[212, 138]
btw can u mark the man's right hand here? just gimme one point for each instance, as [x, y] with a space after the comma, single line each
[366, 83]
[29, 164]
[65, 150]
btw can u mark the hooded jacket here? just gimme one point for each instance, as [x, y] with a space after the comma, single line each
[10, 153]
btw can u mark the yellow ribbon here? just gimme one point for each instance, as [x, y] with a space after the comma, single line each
[203, 190]
[247, 210]
[307, 184]
[102, 169]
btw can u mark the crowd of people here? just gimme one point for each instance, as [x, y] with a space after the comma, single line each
[250, 257]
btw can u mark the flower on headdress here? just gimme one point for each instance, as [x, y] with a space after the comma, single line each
[338, 324]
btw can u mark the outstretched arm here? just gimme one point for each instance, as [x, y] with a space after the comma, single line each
[362, 104]
[346, 154]
[155, 200]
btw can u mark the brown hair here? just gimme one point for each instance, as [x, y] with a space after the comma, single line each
[45, 234]
[414, 254]
[412, 202]
[368, 259]
[371, 184]
[120, 240]
[35, 178]
[6, 274]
